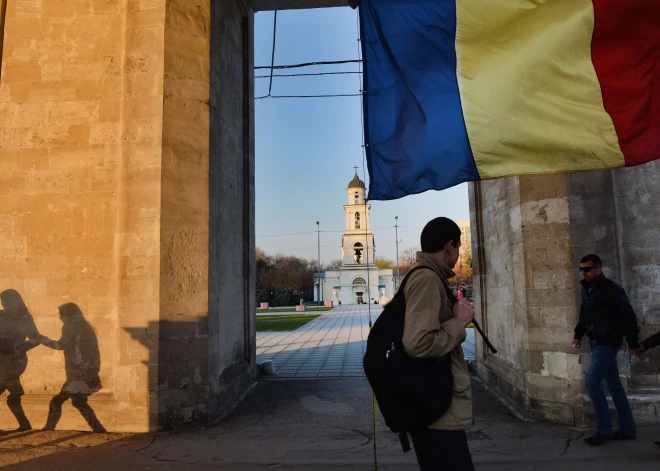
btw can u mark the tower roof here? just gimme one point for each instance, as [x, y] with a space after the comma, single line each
[356, 182]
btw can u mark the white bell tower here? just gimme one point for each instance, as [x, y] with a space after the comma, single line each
[358, 241]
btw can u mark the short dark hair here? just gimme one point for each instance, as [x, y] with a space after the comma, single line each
[437, 233]
[592, 258]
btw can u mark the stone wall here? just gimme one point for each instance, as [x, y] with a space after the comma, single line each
[232, 264]
[60, 164]
[637, 197]
[105, 201]
[184, 212]
[530, 233]
[495, 276]
[612, 216]
[522, 273]
[553, 377]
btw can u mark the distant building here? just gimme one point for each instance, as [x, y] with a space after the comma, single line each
[358, 280]
[466, 238]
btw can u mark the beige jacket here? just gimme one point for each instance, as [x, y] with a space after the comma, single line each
[430, 330]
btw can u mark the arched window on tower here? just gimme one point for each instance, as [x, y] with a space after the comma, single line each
[357, 198]
[357, 252]
[357, 220]
[359, 281]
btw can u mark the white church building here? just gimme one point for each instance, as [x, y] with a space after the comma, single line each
[359, 280]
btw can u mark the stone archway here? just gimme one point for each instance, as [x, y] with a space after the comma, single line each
[127, 187]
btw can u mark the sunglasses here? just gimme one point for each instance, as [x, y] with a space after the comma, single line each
[586, 269]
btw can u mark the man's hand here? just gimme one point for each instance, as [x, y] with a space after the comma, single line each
[638, 352]
[463, 312]
[575, 344]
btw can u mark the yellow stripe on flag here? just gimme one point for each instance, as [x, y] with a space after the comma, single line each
[530, 96]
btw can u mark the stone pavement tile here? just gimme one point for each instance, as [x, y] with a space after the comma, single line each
[322, 425]
[332, 342]
[335, 341]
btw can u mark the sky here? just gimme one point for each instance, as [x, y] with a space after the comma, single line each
[306, 148]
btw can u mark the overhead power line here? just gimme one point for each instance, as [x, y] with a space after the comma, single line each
[272, 57]
[308, 96]
[307, 75]
[314, 232]
[307, 64]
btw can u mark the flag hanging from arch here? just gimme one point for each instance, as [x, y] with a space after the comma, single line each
[464, 90]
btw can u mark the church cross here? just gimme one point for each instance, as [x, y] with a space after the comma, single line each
[356, 167]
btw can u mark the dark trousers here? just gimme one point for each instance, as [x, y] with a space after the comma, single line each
[442, 450]
[603, 366]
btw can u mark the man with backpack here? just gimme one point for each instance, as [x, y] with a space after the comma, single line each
[433, 328]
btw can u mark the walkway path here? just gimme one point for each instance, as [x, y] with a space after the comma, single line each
[330, 346]
[321, 425]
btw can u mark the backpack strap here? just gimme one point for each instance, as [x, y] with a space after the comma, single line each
[405, 444]
[453, 300]
[405, 278]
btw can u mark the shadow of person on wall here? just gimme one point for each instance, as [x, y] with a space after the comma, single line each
[18, 334]
[82, 365]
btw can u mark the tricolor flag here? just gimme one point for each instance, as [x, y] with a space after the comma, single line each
[464, 90]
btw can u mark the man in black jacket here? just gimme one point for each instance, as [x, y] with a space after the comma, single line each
[606, 316]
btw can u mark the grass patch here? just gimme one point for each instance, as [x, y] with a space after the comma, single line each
[282, 322]
[289, 309]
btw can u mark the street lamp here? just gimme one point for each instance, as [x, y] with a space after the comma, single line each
[318, 262]
[396, 229]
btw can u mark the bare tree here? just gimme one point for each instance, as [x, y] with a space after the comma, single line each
[334, 264]
[407, 259]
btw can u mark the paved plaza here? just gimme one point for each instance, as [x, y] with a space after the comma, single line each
[321, 425]
[330, 346]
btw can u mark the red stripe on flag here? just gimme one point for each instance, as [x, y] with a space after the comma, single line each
[625, 50]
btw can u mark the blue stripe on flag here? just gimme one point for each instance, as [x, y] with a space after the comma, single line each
[414, 128]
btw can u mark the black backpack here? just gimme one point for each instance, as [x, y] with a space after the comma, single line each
[412, 393]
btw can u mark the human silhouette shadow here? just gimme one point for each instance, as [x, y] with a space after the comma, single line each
[82, 364]
[18, 334]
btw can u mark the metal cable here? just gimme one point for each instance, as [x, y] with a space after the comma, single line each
[307, 75]
[307, 96]
[374, 405]
[307, 64]
[272, 57]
